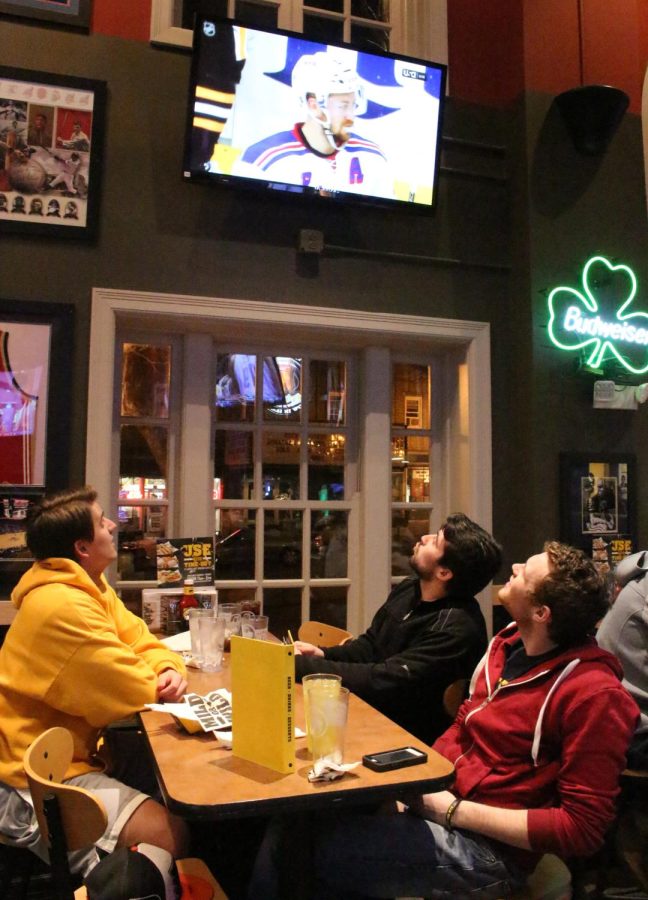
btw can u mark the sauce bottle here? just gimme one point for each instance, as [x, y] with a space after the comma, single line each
[188, 602]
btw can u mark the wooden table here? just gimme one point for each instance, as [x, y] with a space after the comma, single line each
[200, 780]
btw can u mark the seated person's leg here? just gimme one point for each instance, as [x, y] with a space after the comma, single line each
[390, 856]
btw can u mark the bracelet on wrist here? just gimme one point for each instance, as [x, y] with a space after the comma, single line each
[450, 811]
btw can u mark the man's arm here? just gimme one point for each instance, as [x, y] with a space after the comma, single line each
[506, 825]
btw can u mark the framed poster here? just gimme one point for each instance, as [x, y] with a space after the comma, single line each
[598, 505]
[51, 137]
[35, 391]
[66, 12]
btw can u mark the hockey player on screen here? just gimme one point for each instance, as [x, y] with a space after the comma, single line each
[321, 152]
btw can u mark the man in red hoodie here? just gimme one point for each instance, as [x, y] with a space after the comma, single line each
[538, 749]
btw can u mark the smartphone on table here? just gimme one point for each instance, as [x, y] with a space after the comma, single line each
[387, 760]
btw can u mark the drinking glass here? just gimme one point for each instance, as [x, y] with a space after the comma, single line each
[194, 616]
[328, 718]
[323, 683]
[212, 639]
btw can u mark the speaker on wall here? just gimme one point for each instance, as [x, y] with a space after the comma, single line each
[591, 115]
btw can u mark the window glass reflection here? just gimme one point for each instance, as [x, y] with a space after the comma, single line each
[143, 453]
[283, 608]
[326, 466]
[146, 375]
[233, 465]
[410, 470]
[281, 465]
[408, 526]
[411, 395]
[327, 392]
[282, 388]
[138, 530]
[235, 391]
[329, 604]
[234, 544]
[329, 530]
[282, 544]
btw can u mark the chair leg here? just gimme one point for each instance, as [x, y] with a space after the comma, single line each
[58, 850]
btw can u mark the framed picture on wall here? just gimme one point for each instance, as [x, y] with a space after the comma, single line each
[36, 343]
[51, 142]
[598, 505]
[75, 13]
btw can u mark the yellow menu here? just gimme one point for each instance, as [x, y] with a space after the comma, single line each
[263, 675]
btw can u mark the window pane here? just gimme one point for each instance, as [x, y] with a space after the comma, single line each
[142, 489]
[411, 396]
[325, 30]
[283, 607]
[369, 38]
[139, 526]
[329, 605]
[329, 548]
[330, 5]
[410, 470]
[234, 544]
[191, 7]
[282, 388]
[326, 466]
[256, 14]
[233, 465]
[235, 387]
[408, 526]
[327, 393]
[281, 465]
[371, 9]
[146, 373]
[282, 544]
[143, 453]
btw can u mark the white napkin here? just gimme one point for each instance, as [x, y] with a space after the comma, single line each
[326, 769]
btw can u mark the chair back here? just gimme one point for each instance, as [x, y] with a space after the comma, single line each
[454, 695]
[322, 635]
[83, 816]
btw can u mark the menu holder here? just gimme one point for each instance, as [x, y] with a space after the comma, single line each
[263, 676]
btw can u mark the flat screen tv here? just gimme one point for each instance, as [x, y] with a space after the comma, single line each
[272, 111]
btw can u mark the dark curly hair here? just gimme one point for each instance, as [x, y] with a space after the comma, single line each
[471, 553]
[574, 592]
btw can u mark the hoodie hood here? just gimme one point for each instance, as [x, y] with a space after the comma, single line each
[56, 570]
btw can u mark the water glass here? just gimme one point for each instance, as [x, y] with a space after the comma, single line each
[212, 639]
[328, 718]
[321, 683]
[194, 616]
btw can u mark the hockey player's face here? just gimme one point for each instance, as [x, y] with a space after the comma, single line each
[340, 109]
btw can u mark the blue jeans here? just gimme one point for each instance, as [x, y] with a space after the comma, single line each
[384, 856]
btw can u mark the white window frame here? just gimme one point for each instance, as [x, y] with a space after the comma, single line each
[418, 27]
[465, 345]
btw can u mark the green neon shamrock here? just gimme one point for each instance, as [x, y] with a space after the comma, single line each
[595, 317]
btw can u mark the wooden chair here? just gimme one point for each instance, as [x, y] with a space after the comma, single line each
[454, 695]
[71, 818]
[322, 635]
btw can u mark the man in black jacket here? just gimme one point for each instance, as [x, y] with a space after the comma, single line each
[428, 633]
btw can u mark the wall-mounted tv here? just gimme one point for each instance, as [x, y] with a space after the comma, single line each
[273, 111]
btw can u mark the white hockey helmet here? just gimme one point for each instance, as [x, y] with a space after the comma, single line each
[319, 75]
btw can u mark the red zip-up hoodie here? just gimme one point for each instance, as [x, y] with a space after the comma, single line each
[552, 741]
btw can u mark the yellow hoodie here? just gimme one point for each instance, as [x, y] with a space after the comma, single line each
[74, 656]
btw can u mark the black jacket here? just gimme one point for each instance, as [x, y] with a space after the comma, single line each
[411, 652]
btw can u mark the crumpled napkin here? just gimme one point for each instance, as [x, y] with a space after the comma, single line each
[326, 769]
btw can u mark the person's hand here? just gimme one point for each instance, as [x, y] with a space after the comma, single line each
[170, 686]
[302, 648]
[431, 806]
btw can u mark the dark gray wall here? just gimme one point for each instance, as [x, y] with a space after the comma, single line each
[504, 217]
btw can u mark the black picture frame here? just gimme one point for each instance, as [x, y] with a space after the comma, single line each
[598, 505]
[51, 148]
[74, 13]
[60, 319]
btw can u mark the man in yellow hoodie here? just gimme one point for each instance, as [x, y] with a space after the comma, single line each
[75, 656]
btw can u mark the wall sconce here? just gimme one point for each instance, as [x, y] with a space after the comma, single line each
[591, 115]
